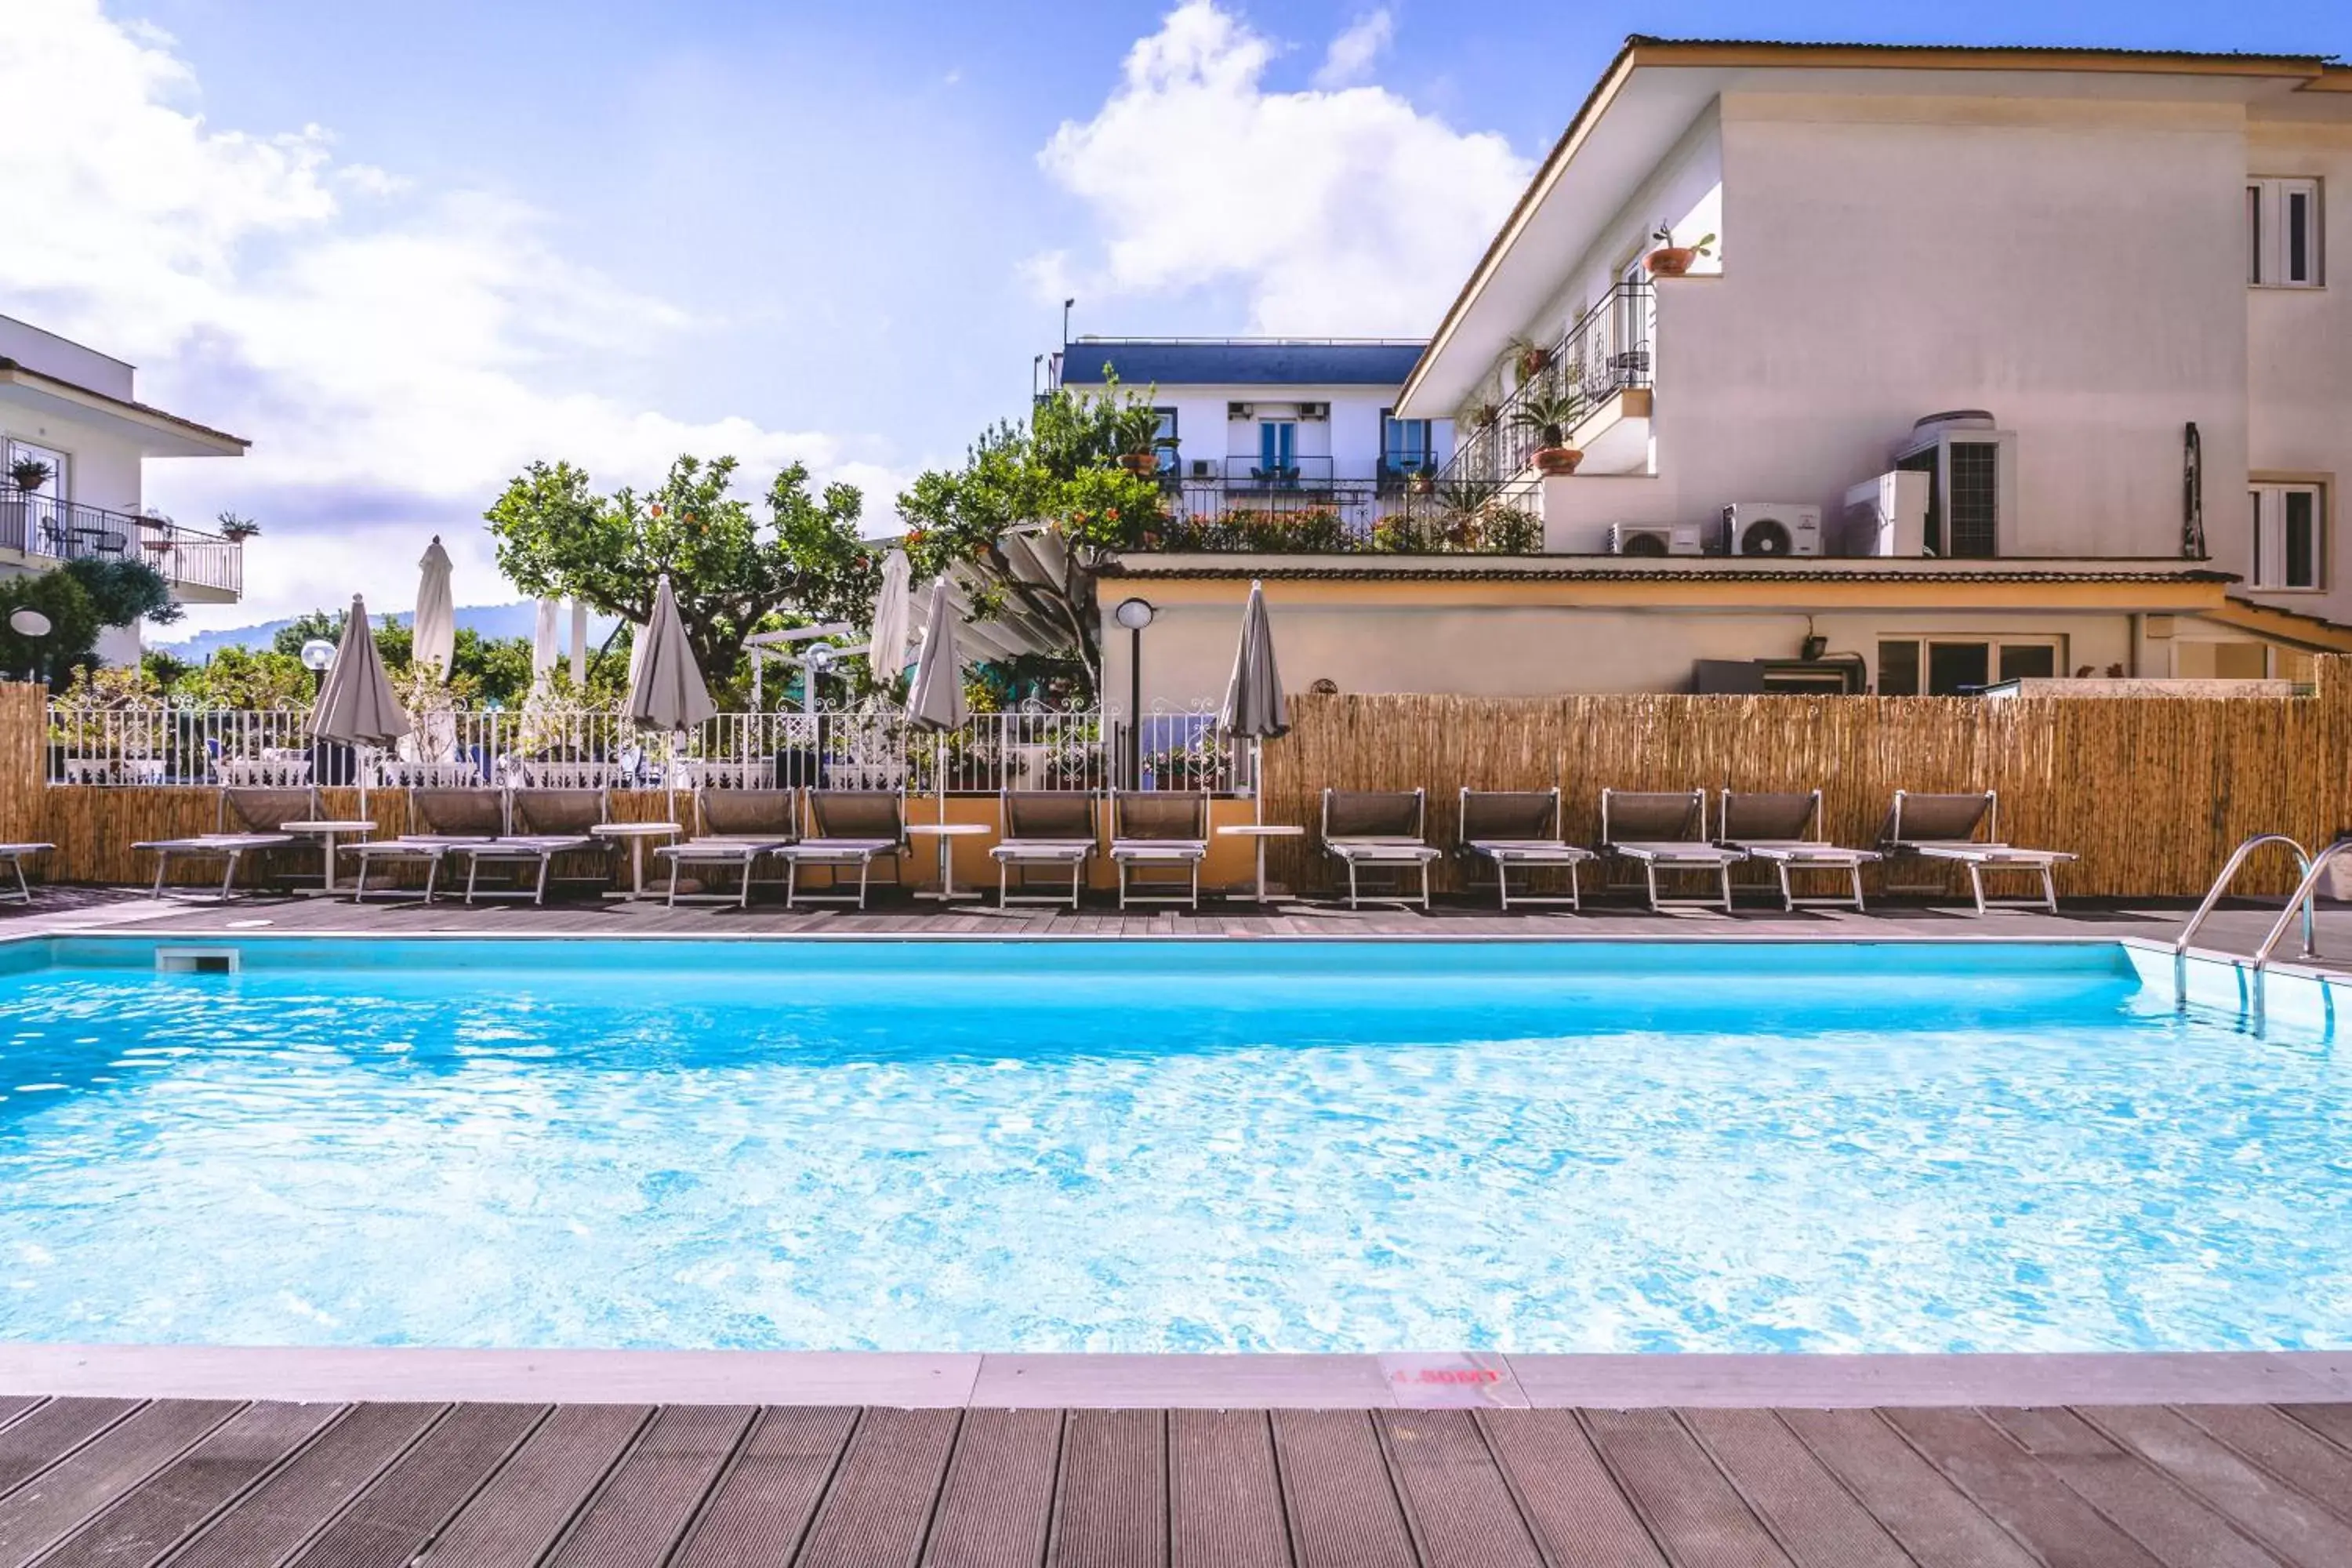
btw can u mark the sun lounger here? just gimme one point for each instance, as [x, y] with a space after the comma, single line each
[542, 825]
[1945, 827]
[247, 824]
[1783, 830]
[1383, 832]
[441, 823]
[1044, 829]
[1159, 832]
[848, 829]
[1667, 831]
[733, 828]
[1519, 829]
[15, 854]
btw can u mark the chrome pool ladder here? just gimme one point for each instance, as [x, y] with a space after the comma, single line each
[2305, 902]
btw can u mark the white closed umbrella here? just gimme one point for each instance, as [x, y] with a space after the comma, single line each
[935, 697]
[894, 609]
[434, 633]
[357, 706]
[667, 692]
[543, 642]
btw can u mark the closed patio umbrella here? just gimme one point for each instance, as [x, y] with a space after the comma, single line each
[357, 706]
[1255, 705]
[935, 697]
[886, 649]
[435, 631]
[543, 642]
[665, 690]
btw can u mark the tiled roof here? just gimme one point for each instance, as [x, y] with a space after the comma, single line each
[1562, 569]
[1140, 363]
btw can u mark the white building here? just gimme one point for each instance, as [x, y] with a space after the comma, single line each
[75, 413]
[2108, 272]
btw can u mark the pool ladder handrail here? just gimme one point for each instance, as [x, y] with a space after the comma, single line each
[2306, 894]
[2213, 895]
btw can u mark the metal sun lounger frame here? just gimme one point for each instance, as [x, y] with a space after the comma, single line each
[295, 805]
[834, 842]
[530, 847]
[1673, 827]
[1520, 828]
[1782, 829]
[14, 854]
[1036, 831]
[1953, 821]
[1158, 830]
[429, 846]
[734, 827]
[1385, 830]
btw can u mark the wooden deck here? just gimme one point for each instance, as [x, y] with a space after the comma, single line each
[127, 1484]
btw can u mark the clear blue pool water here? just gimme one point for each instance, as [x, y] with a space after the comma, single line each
[1161, 1147]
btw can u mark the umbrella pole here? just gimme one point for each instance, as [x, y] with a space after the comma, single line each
[1258, 777]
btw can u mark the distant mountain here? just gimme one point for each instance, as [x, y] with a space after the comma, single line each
[515, 620]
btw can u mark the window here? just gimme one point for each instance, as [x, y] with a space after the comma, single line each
[1168, 459]
[1277, 448]
[56, 487]
[1404, 445]
[2282, 234]
[1954, 667]
[2288, 524]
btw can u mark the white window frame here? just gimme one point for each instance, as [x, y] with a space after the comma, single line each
[2270, 261]
[59, 487]
[2267, 565]
[1994, 642]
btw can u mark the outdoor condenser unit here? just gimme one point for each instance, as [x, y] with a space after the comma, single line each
[1241, 410]
[1315, 411]
[1771, 528]
[1886, 516]
[1628, 539]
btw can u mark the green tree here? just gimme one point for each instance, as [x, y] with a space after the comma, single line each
[123, 591]
[730, 572]
[74, 626]
[247, 679]
[1035, 512]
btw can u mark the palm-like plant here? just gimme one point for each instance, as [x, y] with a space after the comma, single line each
[1550, 409]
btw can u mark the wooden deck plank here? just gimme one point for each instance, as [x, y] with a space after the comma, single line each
[878, 1509]
[2295, 1525]
[1111, 1506]
[1342, 1506]
[765, 1500]
[176, 1501]
[1818, 1521]
[2286, 1447]
[1224, 1494]
[2141, 1501]
[1690, 1508]
[1565, 1492]
[1916, 1504]
[996, 1509]
[2333, 1422]
[531, 1500]
[391, 1522]
[290, 1505]
[53, 1432]
[14, 1405]
[646, 1503]
[2022, 1495]
[1456, 1504]
[52, 1505]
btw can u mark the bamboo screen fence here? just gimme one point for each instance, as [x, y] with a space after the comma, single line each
[2152, 792]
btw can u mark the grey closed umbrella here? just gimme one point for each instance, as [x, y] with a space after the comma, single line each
[356, 705]
[1255, 705]
[935, 697]
[665, 692]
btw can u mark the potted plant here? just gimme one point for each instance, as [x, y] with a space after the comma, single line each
[28, 474]
[1529, 360]
[1486, 416]
[1136, 431]
[1423, 480]
[237, 529]
[1671, 259]
[1549, 411]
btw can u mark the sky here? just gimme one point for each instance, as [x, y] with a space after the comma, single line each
[407, 247]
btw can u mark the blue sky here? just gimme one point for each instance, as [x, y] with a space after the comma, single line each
[406, 246]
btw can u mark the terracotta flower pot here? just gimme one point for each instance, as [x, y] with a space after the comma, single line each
[1558, 460]
[1670, 261]
[1140, 464]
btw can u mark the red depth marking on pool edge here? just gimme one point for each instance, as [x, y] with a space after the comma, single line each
[1448, 1374]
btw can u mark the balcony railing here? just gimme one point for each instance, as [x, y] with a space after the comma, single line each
[1398, 515]
[1606, 351]
[40, 524]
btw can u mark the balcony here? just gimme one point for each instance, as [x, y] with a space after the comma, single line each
[1603, 364]
[41, 531]
[1299, 513]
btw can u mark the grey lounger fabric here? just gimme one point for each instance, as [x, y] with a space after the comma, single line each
[542, 825]
[441, 822]
[245, 824]
[1383, 832]
[1164, 835]
[1945, 827]
[1519, 829]
[733, 828]
[848, 829]
[1783, 828]
[1044, 829]
[1665, 830]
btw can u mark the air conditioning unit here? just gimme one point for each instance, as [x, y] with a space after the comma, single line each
[1886, 516]
[1203, 468]
[1771, 528]
[1315, 411]
[1241, 410]
[1629, 539]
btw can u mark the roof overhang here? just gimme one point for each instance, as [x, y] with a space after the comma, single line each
[1655, 89]
[155, 432]
[2313, 634]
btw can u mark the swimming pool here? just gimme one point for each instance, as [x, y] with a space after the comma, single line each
[1147, 1146]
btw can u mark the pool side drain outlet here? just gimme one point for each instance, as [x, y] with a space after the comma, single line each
[195, 960]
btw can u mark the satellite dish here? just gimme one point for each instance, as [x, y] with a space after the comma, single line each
[30, 623]
[317, 655]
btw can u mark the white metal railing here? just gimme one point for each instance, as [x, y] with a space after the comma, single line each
[1023, 749]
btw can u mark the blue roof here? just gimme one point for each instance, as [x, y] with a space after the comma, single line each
[1265, 362]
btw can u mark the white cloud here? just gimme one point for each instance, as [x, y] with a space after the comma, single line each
[395, 354]
[1341, 212]
[1353, 53]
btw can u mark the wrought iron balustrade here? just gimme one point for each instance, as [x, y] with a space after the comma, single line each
[1605, 353]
